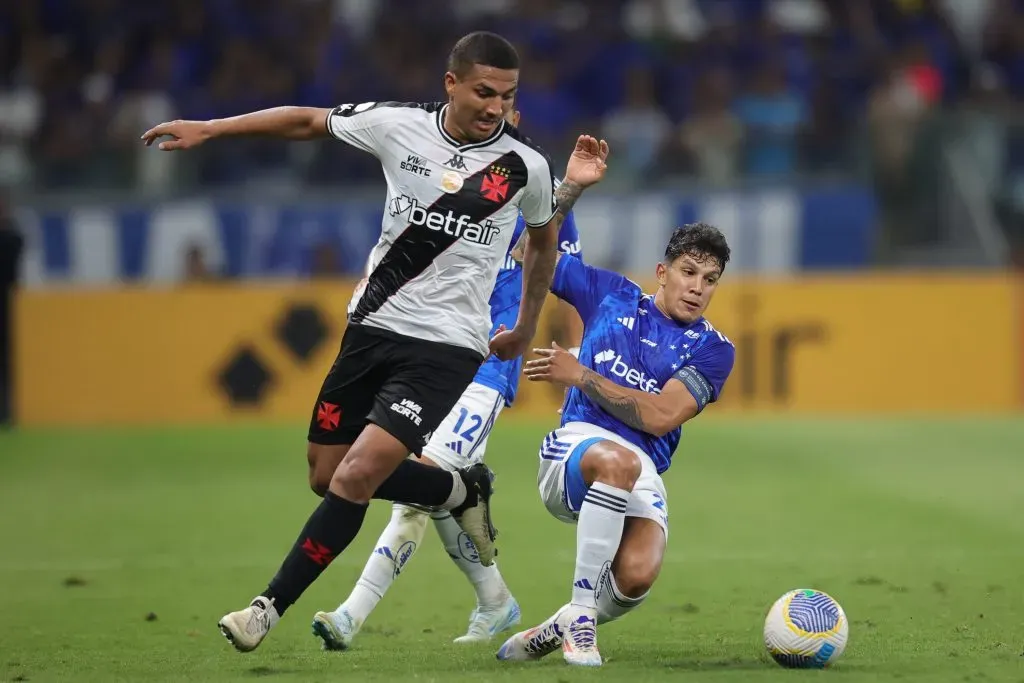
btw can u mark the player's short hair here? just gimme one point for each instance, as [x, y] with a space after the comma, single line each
[484, 48]
[699, 240]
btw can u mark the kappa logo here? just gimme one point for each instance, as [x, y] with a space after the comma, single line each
[457, 162]
[350, 109]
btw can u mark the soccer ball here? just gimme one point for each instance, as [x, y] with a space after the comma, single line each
[805, 629]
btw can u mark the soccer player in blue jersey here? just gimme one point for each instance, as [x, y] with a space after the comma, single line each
[459, 442]
[647, 364]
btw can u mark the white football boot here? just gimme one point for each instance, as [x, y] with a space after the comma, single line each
[336, 629]
[579, 647]
[246, 629]
[537, 642]
[487, 622]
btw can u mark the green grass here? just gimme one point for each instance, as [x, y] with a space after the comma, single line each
[916, 527]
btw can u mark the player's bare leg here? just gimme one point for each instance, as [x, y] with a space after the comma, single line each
[496, 609]
[610, 471]
[635, 568]
[323, 462]
[373, 467]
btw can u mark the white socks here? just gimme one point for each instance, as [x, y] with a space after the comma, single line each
[458, 495]
[490, 587]
[598, 532]
[396, 545]
[611, 603]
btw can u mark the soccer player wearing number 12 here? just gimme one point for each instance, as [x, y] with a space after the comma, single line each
[647, 364]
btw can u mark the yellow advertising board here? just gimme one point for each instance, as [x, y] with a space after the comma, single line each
[896, 344]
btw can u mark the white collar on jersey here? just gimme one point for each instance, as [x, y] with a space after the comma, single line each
[464, 147]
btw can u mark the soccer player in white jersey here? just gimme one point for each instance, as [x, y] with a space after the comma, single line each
[647, 364]
[459, 442]
[458, 177]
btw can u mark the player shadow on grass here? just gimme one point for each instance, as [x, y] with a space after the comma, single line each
[732, 664]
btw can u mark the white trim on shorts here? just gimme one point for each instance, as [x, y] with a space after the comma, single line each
[648, 499]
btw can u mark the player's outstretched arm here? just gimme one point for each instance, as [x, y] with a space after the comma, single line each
[292, 123]
[586, 167]
[656, 414]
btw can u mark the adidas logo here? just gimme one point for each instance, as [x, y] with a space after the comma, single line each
[455, 447]
[584, 584]
[627, 322]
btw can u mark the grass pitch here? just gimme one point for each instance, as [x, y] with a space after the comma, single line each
[120, 549]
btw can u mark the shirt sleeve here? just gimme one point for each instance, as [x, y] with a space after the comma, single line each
[584, 286]
[360, 125]
[705, 373]
[538, 202]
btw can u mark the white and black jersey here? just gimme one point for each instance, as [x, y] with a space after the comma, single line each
[450, 213]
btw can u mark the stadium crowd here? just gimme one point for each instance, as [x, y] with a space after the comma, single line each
[712, 89]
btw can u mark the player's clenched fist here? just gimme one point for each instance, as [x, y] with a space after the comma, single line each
[556, 365]
[183, 134]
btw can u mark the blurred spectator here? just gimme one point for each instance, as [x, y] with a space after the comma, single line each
[713, 136]
[895, 109]
[772, 116]
[638, 129]
[196, 268]
[11, 245]
[81, 79]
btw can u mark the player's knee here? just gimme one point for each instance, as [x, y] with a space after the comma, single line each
[355, 479]
[613, 465]
[635, 576]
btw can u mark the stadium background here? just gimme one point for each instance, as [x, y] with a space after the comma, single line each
[865, 159]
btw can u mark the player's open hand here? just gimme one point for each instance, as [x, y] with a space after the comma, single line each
[183, 134]
[507, 344]
[554, 365]
[587, 163]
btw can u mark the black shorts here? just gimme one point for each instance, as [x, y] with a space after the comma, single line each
[404, 385]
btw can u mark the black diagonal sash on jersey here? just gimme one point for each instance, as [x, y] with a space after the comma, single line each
[418, 246]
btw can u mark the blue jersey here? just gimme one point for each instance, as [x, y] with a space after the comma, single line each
[503, 376]
[629, 341]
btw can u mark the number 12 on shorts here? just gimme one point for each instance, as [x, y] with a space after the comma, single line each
[474, 424]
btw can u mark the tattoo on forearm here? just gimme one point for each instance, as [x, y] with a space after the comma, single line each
[565, 197]
[542, 266]
[620, 407]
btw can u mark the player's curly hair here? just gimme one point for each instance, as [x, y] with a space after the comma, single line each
[484, 48]
[699, 240]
